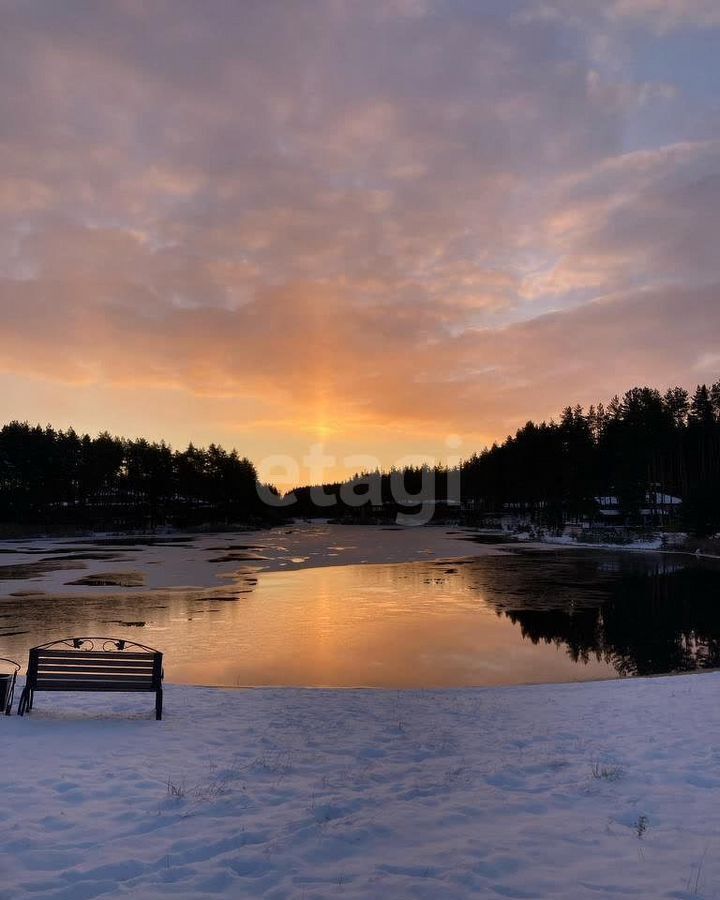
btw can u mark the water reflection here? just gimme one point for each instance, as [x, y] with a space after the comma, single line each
[523, 617]
[641, 614]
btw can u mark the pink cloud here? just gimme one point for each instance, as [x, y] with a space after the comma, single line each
[414, 216]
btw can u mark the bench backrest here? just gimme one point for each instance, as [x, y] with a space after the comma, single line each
[71, 669]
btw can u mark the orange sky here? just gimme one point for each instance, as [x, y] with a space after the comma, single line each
[379, 227]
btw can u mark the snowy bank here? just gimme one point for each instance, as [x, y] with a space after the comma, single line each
[592, 790]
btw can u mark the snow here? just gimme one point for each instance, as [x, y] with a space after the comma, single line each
[601, 789]
[569, 540]
[182, 562]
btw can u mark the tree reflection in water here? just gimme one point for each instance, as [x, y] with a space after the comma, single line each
[644, 614]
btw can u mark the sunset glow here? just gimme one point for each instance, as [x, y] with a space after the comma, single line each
[364, 225]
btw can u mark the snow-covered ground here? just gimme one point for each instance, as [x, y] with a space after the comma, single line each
[608, 789]
[567, 540]
[55, 566]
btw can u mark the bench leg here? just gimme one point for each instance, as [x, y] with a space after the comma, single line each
[22, 706]
[158, 704]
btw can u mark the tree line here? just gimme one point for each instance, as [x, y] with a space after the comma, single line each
[643, 443]
[641, 449]
[51, 478]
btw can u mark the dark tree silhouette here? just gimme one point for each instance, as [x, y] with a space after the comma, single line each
[644, 443]
[54, 479]
[641, 446]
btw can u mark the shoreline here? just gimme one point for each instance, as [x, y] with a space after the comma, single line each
[290, 569]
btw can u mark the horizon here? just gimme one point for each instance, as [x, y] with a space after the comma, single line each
[387, 230]
[316, 461]
[327, 471]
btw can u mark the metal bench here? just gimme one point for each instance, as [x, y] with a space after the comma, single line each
[93, 664]
[7, 684]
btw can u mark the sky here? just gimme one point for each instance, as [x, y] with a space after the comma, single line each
[364, 227]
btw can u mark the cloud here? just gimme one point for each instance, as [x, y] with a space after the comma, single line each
[664, 15]
[660, 16]
[644, 217]
[345, 218]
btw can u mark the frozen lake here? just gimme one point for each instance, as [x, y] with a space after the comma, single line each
[341, 606]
